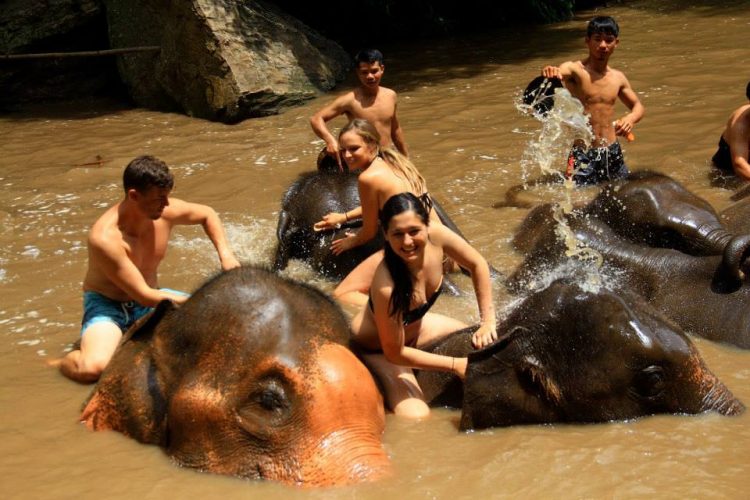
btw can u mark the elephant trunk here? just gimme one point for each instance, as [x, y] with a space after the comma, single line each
[720, 399]
[735, 254]
[711, 240]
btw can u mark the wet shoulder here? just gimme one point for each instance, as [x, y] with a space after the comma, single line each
[105, 228]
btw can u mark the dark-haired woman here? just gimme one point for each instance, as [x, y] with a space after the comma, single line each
[395, 323]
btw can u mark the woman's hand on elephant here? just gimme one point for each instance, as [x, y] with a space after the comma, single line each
[484, 336]
[342, 245]
[330, 221]
[229, 262]
[459, 367]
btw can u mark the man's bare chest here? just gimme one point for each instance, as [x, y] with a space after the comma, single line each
[147, 249]
[379, 110]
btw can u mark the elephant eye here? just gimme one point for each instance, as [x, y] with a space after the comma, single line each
[271, 397]
[266, 406]
[650, 382]
[272, 400]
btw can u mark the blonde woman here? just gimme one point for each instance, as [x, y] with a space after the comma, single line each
[385, 173]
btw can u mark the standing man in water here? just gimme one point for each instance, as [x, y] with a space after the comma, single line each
[369, 101]
[598, 86]
[733, 155]
[125, 247]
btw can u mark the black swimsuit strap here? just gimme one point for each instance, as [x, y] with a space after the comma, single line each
[418, 312]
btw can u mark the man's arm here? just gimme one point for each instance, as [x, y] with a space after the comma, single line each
[114, 263]
[563, 72]
[738, 138]
[627, 95]
[318, 122]
[184, 213]
[397, 133]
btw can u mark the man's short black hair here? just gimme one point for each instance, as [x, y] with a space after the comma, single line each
[369, 56]
[603, 24]
[145, 172]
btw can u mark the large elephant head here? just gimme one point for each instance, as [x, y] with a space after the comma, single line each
[568, 355]
[251, 377]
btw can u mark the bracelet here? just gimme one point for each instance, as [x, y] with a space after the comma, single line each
[346, 216]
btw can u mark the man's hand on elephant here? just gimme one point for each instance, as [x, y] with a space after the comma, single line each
[332, 148]
[330, 221]
[484, 336]
[342, 245]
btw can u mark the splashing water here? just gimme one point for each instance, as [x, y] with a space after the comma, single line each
[563, 123]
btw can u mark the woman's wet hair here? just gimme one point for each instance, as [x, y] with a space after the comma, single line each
[145, 172]
[402, 284]
[603, 24]
[399, 163]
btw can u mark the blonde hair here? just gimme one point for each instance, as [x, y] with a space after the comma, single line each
[400, 164]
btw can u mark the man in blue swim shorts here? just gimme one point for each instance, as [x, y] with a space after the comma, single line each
[125, 247]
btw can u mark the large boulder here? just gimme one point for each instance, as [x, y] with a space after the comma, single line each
[223, 60]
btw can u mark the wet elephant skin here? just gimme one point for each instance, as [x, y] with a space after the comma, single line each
[567, 355]
[646, 208]
[306, 201]
[682, 286]
[251, 377]
[313, 195]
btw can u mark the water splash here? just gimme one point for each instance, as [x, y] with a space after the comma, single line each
[563, 123]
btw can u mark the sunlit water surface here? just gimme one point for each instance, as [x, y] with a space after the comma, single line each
[467, 137]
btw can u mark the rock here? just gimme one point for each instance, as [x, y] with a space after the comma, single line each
[34, 26]
[51, 18]
[223, 60]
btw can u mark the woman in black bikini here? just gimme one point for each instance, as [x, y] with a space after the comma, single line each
[406, 284]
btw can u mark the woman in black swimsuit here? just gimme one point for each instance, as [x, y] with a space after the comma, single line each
[395, 322]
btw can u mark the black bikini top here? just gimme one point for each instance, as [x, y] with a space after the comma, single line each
[418, 312]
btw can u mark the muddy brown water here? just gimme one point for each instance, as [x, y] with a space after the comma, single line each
[686, 60]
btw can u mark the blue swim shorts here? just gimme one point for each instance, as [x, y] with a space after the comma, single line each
[97, 308]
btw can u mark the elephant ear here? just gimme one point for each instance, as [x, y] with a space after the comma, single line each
[534, 378]
[128, 397]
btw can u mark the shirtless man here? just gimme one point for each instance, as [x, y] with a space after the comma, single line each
[125, 247]
[598, 86]
[733, 155]
[369, 101]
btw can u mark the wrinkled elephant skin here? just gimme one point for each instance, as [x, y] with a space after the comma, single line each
[646, 208]
[251, 377]
[681, 286]
[568, 355]
[306, 201]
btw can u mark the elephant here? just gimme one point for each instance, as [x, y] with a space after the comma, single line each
[650, 209]
[569, 355]
[306, 201]
[251, 377]
[736, 217]
[684, 287]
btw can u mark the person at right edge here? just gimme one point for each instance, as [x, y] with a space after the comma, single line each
[733, 154]
[598, 86]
